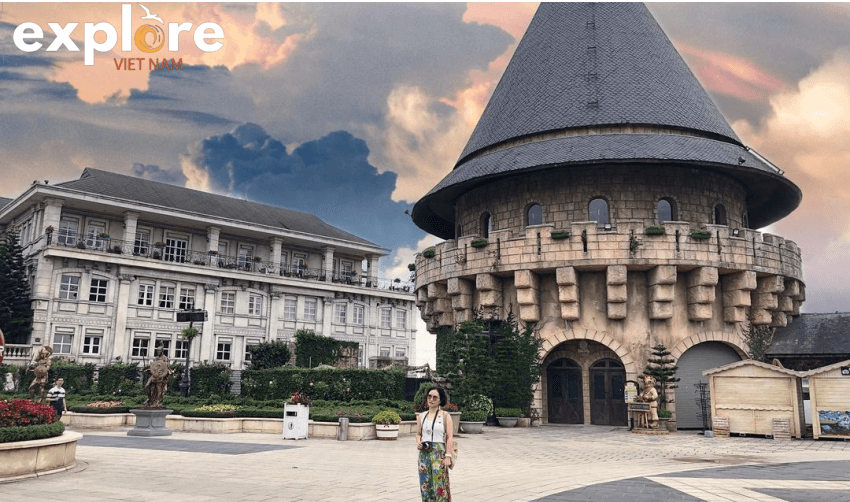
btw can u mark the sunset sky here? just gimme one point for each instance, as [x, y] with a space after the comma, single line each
[354, 111]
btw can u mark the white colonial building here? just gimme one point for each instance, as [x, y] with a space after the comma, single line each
[112, 259]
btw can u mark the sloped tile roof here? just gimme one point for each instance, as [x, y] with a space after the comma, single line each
[591, 64]
[4, 201]
[813, 334]
[598, 83]
[170, 196]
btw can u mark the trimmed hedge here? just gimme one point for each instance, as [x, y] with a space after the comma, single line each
[79, 378]
[119, 379]
[208, 380]
[323, 384]
[101, 411]
[311, 349]
[32, 432]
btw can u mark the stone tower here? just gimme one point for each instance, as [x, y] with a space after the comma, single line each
[604, 198]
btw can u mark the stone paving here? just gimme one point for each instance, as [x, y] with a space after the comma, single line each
[549, 463]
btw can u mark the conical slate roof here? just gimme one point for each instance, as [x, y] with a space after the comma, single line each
[597, 82]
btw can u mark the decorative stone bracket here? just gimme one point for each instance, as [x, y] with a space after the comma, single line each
[568, 293]
[616, 277]
[441, 305]
[662, 282]
[766, 301]
[489, 291]
[460, 291]
[701, 291]
[528, 295]
[736, 295]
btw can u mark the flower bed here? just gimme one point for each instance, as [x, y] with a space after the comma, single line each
[23, 412]
[31, 432]
[28, 443]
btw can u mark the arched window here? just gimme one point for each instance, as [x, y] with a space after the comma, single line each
[720, 215]
[486, 225]
[458, 232]
[598, 209]
[534, 214]
[667, 211]
[745, 220]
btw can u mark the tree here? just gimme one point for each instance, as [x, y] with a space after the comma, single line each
[660, 365]
[268, 355]
[758, 338]
[15, 306]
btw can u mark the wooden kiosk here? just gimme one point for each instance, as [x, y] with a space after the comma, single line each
[829, 392]
[752, 394]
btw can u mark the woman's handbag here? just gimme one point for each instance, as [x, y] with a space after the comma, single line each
[454, 447]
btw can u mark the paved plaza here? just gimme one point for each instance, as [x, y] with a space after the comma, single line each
[549, 463]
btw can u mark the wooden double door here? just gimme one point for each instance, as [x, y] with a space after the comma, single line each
[566, 405]
[608, 393]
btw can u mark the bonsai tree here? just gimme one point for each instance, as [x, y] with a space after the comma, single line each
[387, 417]
[660, 365]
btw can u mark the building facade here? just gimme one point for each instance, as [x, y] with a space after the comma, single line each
[604, 199]
[113, 259]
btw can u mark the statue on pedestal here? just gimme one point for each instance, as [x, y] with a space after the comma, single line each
[42, 369]
[648, 420]
[157, 382]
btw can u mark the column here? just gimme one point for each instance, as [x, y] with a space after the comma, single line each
[52, 215]
[131, 221]
[327, 316]
[120, 341]
[206, 338]
[373, 270]
[329, 263]
[277, 243]
[274, 314]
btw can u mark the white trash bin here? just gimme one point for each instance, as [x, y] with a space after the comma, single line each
[295, 421]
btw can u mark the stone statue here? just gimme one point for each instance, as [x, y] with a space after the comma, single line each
[648, 395]
[41, 370]
[157, 382]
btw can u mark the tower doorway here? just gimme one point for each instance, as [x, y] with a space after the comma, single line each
[607, 393]
[566, 405]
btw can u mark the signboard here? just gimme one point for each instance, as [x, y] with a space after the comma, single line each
[631, 391]
[638, 407]
[2, 346]
[192, 316]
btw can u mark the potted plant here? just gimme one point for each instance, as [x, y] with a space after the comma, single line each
[105, 236]
[81, 245]
[656, 230]
[507, 417]
[665, 420]
[472, 421]
[49, 233]
[296, 416]
[452, 409]
[386, 425]
[478, 243]
[411, 267]
[429, 253]
[700, 234]
[563, 234]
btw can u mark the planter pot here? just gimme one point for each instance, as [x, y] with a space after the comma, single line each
[472, 427]
[387, 432]
[507, 421]
[523, 422]
[455, 421]
[671, 425]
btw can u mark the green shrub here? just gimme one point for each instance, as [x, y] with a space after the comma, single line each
[411, 267]
[508, 412]
[323, 384]
[700, 234]
[269, 355]
[79, 378]
[478, 243]
[209, 380]
[311, 349]
[664, 413]
[32, 432]
[564, 234]
[429, 253]
[100, 410]
[208, 414]
[659, 230]
[386, 417]
[478, 402]
[420, 398]
[473, 416]
[260, 412]
[119, 379]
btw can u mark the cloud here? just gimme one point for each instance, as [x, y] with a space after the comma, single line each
[329, 177]
[806, 134]
[156, 173]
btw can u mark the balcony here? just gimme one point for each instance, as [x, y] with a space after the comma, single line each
[18, 355]
[242, 264]
[587, 246]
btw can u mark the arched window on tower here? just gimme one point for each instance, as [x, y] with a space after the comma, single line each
[486, 225]
[720, 215]
[667, 211]
[534, 215]
[598, 209]
[745, 220]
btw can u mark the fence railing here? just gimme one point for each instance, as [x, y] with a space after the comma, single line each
[244, 263]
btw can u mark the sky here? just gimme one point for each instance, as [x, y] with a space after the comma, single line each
[354, 111]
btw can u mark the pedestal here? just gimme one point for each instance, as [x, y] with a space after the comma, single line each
[150, 423]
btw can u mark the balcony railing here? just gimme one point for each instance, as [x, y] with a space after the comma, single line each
[17, 353]
[172, 254]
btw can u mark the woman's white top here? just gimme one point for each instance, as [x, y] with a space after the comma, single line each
[439, 431]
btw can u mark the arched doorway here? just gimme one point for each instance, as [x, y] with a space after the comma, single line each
[692, 363]
[565, 399]
[607, 393]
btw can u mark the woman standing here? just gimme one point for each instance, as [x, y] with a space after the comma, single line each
[434, 440]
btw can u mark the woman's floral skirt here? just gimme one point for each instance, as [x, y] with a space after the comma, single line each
[433, 475]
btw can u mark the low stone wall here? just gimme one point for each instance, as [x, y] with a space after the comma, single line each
[28, 459]
[328, 430]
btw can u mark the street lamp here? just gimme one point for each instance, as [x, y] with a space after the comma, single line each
[189, 333]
